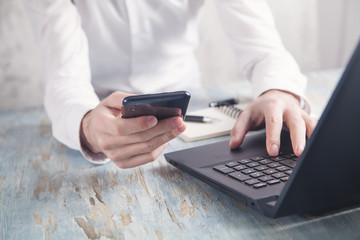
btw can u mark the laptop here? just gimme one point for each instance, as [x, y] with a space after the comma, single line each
[325, 177]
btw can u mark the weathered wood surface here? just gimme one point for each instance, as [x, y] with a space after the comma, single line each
[48, 191]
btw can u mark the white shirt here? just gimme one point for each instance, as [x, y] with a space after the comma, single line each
[92, 48]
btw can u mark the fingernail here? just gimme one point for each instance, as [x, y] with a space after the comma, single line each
[234, 142]
[152, 121]
[231, 143]
[180, 130]
[274, 150]
[300, 149]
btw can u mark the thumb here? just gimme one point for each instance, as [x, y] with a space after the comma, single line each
[115, 99]
[114, 102]
[239, 130]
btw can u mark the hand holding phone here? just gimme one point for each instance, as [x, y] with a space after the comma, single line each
[127, 142]
[160, 105]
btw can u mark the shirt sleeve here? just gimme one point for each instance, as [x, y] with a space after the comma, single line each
[69, 94]
[261, 56]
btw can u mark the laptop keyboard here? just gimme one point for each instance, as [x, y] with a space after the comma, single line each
[260, 171]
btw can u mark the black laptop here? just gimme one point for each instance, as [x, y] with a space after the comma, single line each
[325, 177]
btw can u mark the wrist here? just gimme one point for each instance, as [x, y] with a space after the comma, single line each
[85, 135]
[293, 96]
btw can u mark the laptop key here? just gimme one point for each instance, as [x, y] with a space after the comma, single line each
[248, 171]
[266, 178]
[261, 168]
[274, 165]
[289, 155]
[282, 168]
[240, 167]
[224, 169]
[252, 181]
[288, 172]
[270, 171]
[232, 164]
[278, 158]
[253, 164]
[257, 158]
[260, 185]
[245, 161]
[265, 161]
[279, 175]
[239, 176]
[284, 179]
[289, 163]
[274, 181]
[257, 174]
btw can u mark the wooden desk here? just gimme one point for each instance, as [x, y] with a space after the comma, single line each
[48, 191]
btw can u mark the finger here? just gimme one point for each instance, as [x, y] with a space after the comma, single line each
[129, 150]
[146, 140]
[175, 124]
[128, 126]
[310, 124]
[273, 125]
[141, 158]
[240, 129]
[115, 99]
[297, 128]
[113, 103]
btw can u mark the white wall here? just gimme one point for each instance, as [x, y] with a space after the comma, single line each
[299, 29]
[319, 33]
[21, 78]
[339, 25]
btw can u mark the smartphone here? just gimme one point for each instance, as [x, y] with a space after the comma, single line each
[160, 105]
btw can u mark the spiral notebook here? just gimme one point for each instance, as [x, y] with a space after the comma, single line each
[226, 117]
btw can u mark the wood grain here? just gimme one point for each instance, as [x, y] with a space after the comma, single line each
[48, 191]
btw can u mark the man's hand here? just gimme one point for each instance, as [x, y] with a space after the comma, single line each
[127, 142]
[271, 110]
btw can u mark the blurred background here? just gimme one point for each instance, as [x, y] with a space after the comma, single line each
[320, 34]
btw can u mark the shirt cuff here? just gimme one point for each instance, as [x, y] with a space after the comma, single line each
[295, 87]
[72, 134]
[95, 158]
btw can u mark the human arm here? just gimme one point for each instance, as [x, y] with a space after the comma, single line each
[69, 94]
[278, 85]
[79, 119]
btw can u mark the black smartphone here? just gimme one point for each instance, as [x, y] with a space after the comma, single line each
[160, 105]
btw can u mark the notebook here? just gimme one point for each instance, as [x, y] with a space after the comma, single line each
[225, 119]
[324, 178]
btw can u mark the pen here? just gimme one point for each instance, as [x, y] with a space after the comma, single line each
[200, 119]
[226, 102]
